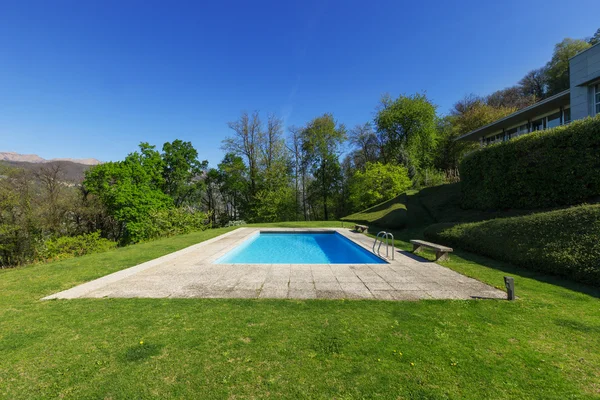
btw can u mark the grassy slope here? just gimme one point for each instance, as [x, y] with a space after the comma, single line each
[542, 346]
[416, 210]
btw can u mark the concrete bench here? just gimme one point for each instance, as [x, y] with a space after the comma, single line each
[360, 228]
[441, 252]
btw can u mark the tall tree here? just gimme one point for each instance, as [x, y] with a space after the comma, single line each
[473, 112]
[234, 187]
[295, 148]
[181, 172]
[595, 39]
[245, 142]
[557, 69]
[321, 139]
[407, 130]
[511, 97]
[534, 83]
[378, 182]
[365, 140]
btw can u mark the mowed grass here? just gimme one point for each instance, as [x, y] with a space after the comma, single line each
[544, 345]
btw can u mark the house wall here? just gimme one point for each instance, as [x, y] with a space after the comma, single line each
[584, 67]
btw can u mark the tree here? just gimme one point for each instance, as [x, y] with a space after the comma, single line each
[407, 131]
[557, 69]
[181, 171]
[299, 164]
[245, 143]
[234, 187]
[131, 191]
[321, 139]
[473, 112]
[511, 97]
[365, 140]
[595, 39]
[534, 84]
[379, 182]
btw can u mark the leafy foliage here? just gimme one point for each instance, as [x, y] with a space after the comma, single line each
[148, 186]
[407, 127]
[378, 182]
[64, 247]
[562, 242]
[557, 69]
[549, 168]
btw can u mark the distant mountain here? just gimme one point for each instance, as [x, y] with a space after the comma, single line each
[35, 159]
[72, 169]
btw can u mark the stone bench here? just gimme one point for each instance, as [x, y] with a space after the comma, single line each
[360, 228]
[441, 252]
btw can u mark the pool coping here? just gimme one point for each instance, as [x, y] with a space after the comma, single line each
[191, 272]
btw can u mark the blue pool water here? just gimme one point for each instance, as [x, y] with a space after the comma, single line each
[299, 248]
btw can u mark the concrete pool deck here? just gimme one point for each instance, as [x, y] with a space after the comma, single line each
[191, 273]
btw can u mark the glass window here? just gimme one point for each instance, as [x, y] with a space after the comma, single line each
[567, 115]
[554, 120]
[537, 125]
[511, 133]
[523, 129]
[597, 98]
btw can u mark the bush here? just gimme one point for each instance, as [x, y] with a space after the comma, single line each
[563, 242]
[543, 169]
[74, 246]
[378, 182]
[174, 221]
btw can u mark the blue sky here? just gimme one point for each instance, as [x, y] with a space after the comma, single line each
[94, 78]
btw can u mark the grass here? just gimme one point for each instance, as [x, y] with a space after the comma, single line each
[419, 209]
[544, 345]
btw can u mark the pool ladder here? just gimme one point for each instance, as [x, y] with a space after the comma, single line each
[379, 238]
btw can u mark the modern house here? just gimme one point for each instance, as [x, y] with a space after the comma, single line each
[581, 100]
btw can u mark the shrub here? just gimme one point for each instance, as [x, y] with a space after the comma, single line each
[542, 169]
[174, 221]
[378, 182]
[563, 242]
[74, 246]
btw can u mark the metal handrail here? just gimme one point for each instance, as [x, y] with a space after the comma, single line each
[387, 236]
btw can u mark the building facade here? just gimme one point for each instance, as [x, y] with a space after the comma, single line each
[581, 100]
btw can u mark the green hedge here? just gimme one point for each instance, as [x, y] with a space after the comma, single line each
[543, 169]
[563, 242]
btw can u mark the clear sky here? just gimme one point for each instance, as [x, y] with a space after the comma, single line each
[94, 78]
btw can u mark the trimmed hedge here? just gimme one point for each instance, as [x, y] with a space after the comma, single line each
[557, 167]
[563, 242]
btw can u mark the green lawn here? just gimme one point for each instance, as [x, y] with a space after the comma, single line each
[544, 345]
[417, 209]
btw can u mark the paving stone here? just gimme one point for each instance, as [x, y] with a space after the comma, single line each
[404, 286]
[382, 294]
[191, 273]
[302, 294]
[330, 294]
[378, 286]
[328, 286]
[409, 295]
[274, 293]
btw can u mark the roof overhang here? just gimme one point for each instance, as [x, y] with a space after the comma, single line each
[528, 113]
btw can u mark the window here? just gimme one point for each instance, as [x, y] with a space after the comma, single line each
[553, 120]
[538, 125]
[523, 129]
[597, 98]
[511, 133]
[566, 115]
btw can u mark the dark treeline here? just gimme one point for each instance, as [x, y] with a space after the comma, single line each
[321, 170]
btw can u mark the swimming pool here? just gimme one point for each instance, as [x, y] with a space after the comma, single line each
[299, 248]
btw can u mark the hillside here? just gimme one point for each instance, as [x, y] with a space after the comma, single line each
[419, 209]
[70, 171]
[35, 159]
